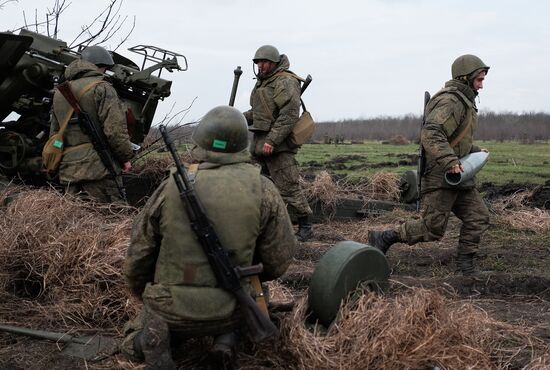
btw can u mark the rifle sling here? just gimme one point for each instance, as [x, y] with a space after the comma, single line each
[67, 118]
[460, 131]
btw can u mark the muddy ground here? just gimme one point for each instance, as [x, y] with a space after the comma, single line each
[517, 291]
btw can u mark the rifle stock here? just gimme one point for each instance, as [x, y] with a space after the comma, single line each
[259, 323]
[421, 154]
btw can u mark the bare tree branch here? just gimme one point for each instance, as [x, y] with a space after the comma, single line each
[111, 24]
[125, 38]
[2, 3]
[107, 24]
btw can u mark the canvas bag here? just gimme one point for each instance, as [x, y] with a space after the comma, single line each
[303, 129]
[305, 126]
[55, 147]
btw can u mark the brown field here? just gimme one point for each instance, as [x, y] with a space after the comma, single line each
[62, 271]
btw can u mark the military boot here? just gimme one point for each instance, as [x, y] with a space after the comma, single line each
[465, 264]
[224, 351]
[305, 229]
[154, 343]
[383, 240]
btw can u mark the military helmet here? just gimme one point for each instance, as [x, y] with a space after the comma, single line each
[267, 52]
[467, 64]
[97, 55]
[223, 129]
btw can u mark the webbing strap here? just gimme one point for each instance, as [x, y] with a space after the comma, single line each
[67, 118]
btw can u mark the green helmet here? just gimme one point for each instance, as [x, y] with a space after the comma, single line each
[223, 129]
[267, 52]
[467, 64]
[97, 55]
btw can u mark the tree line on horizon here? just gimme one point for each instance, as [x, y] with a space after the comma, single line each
[523, 127]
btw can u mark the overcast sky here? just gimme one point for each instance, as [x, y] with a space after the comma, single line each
[367, 57]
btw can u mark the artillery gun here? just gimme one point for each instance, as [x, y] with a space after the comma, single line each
[32, 64]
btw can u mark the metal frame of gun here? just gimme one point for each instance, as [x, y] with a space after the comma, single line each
[150, 52]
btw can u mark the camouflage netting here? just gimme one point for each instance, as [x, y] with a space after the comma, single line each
[61, 261]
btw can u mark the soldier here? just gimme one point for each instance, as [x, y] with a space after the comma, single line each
[275, 102]
[447, 136]
[166, 266]
[81, 169]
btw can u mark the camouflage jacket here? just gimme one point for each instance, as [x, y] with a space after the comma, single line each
[451, 118]
[275, 102]
[166, 265]
[80, 161]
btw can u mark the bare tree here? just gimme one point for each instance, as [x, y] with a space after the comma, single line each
[103, 28]
[3, 3]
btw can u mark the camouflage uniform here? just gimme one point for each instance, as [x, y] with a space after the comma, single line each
[166, 266]
[275, 102]
[81, 168]
[451, 111]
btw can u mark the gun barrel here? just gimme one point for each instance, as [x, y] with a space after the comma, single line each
[238, 72]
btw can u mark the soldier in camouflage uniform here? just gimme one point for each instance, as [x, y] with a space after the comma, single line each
[166, 266]
[81, 169]
[447, 136]
[275, 102]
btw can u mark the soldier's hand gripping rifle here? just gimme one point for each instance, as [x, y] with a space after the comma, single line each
[95, 134]
[421, 154]
[228, 277]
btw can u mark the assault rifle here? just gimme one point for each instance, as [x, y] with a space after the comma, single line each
[96, 135]
[421, 154]
[228, 277]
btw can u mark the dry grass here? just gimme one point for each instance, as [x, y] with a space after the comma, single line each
[62, 260]
[513, 211]
[409, 331]
[380, 186]
[399, 140]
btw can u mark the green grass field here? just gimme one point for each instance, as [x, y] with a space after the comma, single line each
[509, 161]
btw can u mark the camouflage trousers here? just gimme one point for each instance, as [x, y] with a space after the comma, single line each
[104, 190]
[283, 170]
[179, 330]
[466, 204]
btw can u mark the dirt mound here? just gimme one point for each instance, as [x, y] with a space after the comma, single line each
[491, 191]
[540, 196]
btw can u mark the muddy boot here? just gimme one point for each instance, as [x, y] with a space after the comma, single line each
[305, 229]
[383, 239]
[465, 264]
[154, 343]
[224, 351]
